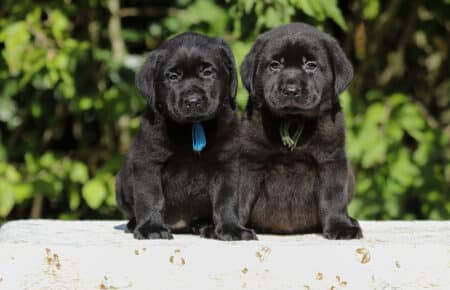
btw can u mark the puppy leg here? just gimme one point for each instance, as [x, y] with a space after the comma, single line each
[208, 232]
[204, 228]
[149, 203]
[333, 201]
[131, 225]
[122, 202]
[248, 186]
[224, 199]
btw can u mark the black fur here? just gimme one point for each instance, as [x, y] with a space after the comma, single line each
[164, 185]
[296, 72]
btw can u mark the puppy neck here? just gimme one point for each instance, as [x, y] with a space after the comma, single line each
[274, 125]
[218, 129]
[181, 134]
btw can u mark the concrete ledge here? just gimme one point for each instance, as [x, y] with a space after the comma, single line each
[46, 254]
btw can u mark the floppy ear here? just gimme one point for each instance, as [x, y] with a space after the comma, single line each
[232, 75]
[249, 65]
[145, 78]
[248, 73]
[341, 66]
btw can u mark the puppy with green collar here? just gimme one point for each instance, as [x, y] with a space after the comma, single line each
[294, 173]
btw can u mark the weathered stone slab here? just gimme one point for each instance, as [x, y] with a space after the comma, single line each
[48, 254]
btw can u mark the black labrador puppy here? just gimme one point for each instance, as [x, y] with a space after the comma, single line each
[182, 169]
[295, 176]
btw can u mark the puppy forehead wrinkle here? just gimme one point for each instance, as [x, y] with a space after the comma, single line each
[295, 47]
[189, 57]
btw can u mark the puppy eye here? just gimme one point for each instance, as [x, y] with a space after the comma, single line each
[173, 76]
[207, 72]
[310, 66]
[275, 65]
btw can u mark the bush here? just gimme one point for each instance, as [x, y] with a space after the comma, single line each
[69, 108]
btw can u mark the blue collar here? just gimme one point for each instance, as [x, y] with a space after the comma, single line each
[198, 137]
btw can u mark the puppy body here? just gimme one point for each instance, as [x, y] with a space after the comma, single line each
[164, 185]
[186, 178]
[306, 188]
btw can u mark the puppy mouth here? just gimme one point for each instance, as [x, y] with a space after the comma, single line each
[192, 117]
[194, 108]
[198, 118]
[294, 107]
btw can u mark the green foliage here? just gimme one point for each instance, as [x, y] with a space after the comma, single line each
[396, 153]
[69, 108]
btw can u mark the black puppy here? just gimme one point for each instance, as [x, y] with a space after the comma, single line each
[295, 177]
[169, 181]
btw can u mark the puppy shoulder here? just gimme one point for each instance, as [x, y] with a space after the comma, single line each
[331, 129]
[149, 144]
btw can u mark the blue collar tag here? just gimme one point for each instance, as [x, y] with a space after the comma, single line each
[198, 137]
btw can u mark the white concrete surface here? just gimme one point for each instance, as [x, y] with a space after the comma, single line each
[47, 254]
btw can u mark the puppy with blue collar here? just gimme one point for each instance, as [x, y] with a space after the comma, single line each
[181, 172]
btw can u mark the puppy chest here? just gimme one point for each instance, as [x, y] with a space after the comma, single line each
[186, 182]
[290, 179]
[186, 194]
[287, 201]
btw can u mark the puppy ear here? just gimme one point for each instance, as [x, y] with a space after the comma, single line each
[232, 75]
[145, 78]
[248, 73]
[341, 66]
[249, 65]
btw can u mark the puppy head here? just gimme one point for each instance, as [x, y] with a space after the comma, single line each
[296, 70]
[189, 77]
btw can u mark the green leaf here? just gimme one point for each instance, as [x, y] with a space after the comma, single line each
[59, 24]
[3, 154]
[392, 206]
[321, 9]
[375, 114]
[16, 39]
[332, 11]
[23, 191]
[371, 9]
[31, 163]
[68, 216]
[273, 18]
[375, 152]
[78, 172]
[9, 173]
[94, 193]
[311, 8]
[36, 110]
[393, 131]
[403, 170]
[411, 120]
[47, 160]
[425, 151]
[249, 5]
[74, 199]
[111, 184]
[6, 198]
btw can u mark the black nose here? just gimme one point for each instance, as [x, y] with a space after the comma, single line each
[291, 91]
[194, 102]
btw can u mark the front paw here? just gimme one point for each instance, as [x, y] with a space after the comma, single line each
[131, 225]
[342, 231]
[208, 232]
[151, 232]
[234, 233]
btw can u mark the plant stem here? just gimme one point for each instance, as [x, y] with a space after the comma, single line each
[36, 209]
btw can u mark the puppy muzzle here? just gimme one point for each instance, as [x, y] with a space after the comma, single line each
[194, 104]
[195, 107]
[284, 105]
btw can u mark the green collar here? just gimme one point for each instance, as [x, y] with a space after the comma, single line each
[287, 139]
